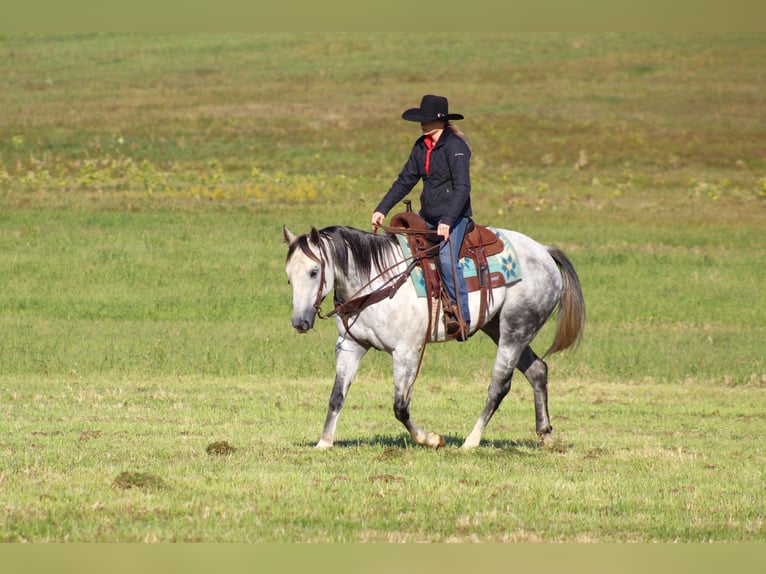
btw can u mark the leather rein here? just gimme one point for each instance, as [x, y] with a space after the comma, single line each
[345, 309]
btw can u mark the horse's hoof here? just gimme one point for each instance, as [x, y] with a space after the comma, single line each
[547, 439]
[323, 445]
[472, 441]
[434, 440]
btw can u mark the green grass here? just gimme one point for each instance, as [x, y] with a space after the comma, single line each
[144, 310]
[632, 462]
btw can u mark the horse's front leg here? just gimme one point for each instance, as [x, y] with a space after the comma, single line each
[348, 355]
[406, 365]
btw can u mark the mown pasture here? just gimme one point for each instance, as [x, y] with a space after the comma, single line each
[152, 388]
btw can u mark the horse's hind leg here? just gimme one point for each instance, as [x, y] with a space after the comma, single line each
[348, 354]
[505, 363]
[536, 371]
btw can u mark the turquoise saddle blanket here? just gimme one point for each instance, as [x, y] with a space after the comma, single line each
[505, 262]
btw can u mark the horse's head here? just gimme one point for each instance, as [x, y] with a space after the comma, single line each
[309, 274]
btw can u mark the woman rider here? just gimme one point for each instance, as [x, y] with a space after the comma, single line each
[441, 158]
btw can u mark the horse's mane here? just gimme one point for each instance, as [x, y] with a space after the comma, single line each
[364, 250]
[350, 245]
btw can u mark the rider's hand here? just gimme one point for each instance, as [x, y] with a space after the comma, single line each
[443, 230]
[377, 220]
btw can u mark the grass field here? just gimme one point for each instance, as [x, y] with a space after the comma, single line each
[152, 388]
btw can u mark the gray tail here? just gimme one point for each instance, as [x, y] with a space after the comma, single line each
[571, 313]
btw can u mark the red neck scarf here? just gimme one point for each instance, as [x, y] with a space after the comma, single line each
[429, 146]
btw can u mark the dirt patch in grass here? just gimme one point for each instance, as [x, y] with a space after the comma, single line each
[145, 481]
[220, 448]
[89, 434]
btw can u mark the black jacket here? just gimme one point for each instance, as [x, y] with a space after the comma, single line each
[446, 195]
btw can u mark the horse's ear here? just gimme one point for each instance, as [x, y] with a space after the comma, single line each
[288, 235]
[314, 235]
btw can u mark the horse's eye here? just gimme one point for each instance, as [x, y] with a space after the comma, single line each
[314, 273]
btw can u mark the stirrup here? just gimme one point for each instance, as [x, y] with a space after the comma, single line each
[456, 328]
[454, 324]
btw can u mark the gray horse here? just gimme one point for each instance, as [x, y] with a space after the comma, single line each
[356, 263]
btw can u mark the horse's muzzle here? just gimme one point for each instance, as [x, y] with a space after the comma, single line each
[303, 324]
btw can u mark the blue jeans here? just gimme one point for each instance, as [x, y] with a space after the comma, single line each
[448, 259]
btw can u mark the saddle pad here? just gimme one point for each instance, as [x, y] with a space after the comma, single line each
[506, 263]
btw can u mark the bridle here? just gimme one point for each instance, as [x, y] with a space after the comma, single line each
[321, 261]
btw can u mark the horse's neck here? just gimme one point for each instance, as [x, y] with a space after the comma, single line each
[353, 283]
[350, 284]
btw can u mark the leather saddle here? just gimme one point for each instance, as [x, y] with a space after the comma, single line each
[479, 243]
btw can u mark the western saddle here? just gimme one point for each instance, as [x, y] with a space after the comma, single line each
[480, 243]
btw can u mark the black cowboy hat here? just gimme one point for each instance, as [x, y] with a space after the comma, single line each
[431, 108]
